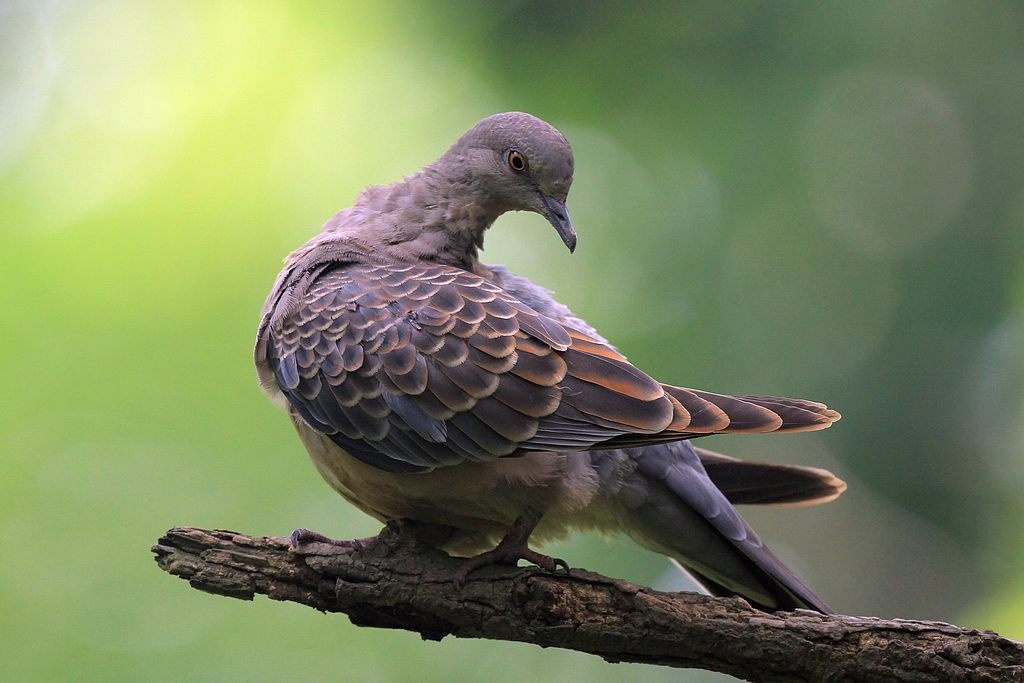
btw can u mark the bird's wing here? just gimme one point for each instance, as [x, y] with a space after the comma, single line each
[410, 367]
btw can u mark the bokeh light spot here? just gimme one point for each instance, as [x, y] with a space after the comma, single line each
[886, 160]
[794, 297]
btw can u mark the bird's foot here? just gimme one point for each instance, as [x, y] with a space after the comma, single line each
[303, 537]
[513, 547]
[508, 556]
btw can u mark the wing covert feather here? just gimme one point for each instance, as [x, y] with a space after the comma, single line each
[415, 366]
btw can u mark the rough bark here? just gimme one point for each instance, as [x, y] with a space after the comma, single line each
[400, 581]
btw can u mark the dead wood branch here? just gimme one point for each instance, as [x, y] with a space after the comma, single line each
[399, 581]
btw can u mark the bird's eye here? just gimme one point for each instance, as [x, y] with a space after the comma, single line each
[516, 160]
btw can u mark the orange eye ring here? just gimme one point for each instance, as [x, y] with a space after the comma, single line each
[516, 160]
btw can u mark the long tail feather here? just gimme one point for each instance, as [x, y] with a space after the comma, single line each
[762, 483]
[673, 506]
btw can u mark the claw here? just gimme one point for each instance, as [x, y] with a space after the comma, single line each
[301, 537]
[512, 548]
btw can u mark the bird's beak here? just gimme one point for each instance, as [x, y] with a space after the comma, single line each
[558, 216]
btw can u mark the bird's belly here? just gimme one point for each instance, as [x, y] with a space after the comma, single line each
[481, 499]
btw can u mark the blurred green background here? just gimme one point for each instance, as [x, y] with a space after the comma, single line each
[814, 199]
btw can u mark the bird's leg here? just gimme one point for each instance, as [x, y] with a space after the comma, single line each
[512, 548]
[301, 537]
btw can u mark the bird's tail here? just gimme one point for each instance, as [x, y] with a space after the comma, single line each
[763, 483]
[672, 506]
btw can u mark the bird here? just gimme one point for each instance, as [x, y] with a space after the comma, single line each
[429, 386]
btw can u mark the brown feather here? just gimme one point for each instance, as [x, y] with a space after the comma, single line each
[617, 376]
[599, 401]
[452, 352]
[414, 381]
[509, 423]
[546, 370]
[525, 397]
[482, 434]
[463, 360]
[760, 483]
[743, 416]
[498, 347]
[472, 379]
[705, 417]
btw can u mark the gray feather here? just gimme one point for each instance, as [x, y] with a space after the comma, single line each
[391, 344]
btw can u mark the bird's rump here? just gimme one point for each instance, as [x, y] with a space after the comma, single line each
[410, 367]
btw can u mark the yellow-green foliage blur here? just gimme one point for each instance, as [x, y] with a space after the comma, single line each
[811, 199]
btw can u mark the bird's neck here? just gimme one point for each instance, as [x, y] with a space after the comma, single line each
[425, 217]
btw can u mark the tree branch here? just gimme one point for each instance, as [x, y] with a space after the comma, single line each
[400, 581]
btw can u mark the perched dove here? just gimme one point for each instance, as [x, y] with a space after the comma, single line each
[429, 386]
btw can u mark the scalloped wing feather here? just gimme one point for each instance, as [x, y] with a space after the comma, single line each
[414, 366]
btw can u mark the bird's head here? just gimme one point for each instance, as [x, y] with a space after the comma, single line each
[516, 162]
